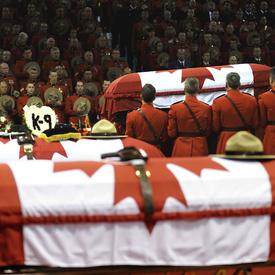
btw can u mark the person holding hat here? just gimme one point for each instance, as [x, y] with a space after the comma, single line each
[233, 112]
[5, 75]
[21, 44]
[97, 71]
[53, 83]
[190, 123]
[7, 103]
[74, 49]
[100, 49]
[22, 101]
[99, 99]
[45, 53]
[63, 79]
[54, 99]
[53, 62]
[87, 77]
[19, 68]
[43, 34]
[78, 106]
[147, 123]
[145, 48]
[266, 103]
[115, 62]
[33, 74]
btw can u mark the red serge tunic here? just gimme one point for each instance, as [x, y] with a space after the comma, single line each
[181, 122]
[266, 103]
[226, 119]
[136, 127]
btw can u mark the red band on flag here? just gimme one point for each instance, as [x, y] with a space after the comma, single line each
[11, 230]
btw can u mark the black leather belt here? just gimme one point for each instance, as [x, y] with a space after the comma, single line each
[237, 129]
[152, 142]
[271, 123]
[137, 158]
[145, 185]
[186, 134]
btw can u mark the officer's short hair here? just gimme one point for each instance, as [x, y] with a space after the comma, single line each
[233, 80]
[148, 93]
[191, 85]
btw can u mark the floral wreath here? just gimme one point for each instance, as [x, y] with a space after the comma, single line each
[5, 124]
[38, 126]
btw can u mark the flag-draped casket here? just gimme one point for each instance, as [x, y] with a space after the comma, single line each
[207, 211]
[69, 150]
[124, 93]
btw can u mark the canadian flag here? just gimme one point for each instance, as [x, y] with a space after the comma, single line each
[124, 93]
[68, 150]
[208, 211]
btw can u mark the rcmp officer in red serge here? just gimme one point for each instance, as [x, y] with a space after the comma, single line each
[53, 83]
[115, 62]
[24, 100]
[33, 74]
[190, 122]
[78, 112]
[53, 62]
[97, 71]
[233, 112]
[266, 103]
[147, 123]
[7, 103]
[5, 76]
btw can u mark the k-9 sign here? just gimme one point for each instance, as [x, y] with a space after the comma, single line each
[39, 119]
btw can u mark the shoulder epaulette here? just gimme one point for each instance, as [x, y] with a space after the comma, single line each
[248, 94]
[132, 110]
[220, 96]
[270, 90]
[177, 102]
[205, 103]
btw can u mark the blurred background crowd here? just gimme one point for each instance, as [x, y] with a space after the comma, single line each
[93, 41]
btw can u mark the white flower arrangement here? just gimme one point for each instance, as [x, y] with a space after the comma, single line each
[39, 119]
[5, 124]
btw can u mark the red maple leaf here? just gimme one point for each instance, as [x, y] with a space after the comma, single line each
[4, 140]
[200, 73]
[85, 166]
[163, 182]
[44, 150]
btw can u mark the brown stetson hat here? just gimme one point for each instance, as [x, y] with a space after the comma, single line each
[104, 129]
[61, 26]
[90, 89]
[114, 73]
[42, 44]
[163, 56]
[237, 54]
[4, 100]
[153, 43]
[5, 29]
[35, 100]
[32, 64]
[53, 92]
[76, 61]
[143, 27]
[82, 101]
[244, 146]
